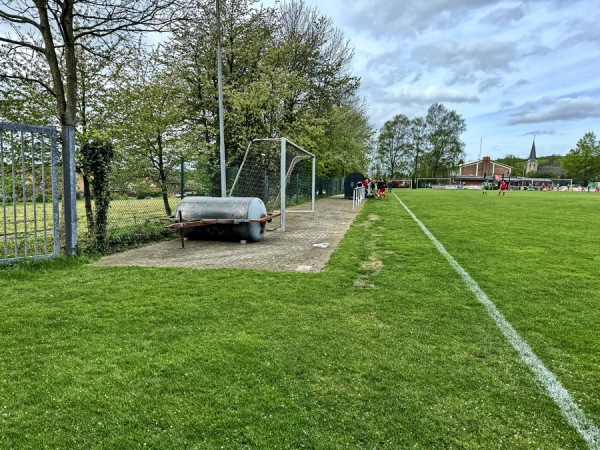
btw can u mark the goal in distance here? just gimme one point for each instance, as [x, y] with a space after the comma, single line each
[279, 172]
[435, 183]
[402, 183]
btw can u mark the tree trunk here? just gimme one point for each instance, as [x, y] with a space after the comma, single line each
[162, 177]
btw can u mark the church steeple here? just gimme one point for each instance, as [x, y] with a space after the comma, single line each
[532, 162]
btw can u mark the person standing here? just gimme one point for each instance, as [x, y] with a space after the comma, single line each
[379, 188]
[502, 188]
[485, 187]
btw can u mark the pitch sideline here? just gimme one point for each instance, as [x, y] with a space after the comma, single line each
[574, 415]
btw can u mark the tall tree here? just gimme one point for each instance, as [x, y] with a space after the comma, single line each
[52, 30]
[345, 140]
[418, 140]
[314, 58]
[445, 149]
[285, 73]
[393, 144]
[151, 102]
[246, 32]
[583, 162]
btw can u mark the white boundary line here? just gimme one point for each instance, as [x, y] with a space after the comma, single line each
[575, 416]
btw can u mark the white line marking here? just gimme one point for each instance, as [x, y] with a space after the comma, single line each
[575, 416]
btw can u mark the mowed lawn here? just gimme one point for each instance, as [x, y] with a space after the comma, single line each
[387, 348]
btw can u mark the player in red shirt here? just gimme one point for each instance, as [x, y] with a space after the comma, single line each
[502, 188]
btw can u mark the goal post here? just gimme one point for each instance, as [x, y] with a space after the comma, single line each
[434, 183]
[279, 172]
[402, 183]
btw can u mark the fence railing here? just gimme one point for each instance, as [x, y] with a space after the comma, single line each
[29, 192]
[358, 196]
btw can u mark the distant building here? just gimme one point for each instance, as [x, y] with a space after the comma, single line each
[476, 172]
[532, 162]
[534, 167]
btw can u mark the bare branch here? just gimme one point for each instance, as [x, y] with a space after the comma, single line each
[22, 44]
[11, 18]
[30, 80]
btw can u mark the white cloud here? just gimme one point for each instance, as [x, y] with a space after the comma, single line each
[550, 109]
[430, 95]
[503, 17]
[489, 83]
[538, 132]
[515, 86]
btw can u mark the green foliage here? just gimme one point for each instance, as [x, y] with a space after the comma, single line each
[518, 164]
[285, 73]
[583, 162]
[552, 160]
[125, 238]
[152, 102]
[97, 158]
[394, 145]
[423, 146]
[445, 149]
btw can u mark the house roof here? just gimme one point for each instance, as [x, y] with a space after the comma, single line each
[485, 160]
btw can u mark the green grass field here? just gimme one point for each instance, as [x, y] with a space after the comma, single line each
[387, 348]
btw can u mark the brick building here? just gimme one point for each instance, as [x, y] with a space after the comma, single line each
[476, 172]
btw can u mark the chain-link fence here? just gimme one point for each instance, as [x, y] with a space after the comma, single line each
[139, 208]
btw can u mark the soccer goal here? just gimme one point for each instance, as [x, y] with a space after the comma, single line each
[402, 183]
[562, 184]
[280, 173]
[434, 183]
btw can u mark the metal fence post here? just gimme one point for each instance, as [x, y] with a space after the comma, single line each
[282, 182]
[69, 189]
[182, 180]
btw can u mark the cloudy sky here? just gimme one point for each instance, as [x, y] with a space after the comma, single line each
[512, 69]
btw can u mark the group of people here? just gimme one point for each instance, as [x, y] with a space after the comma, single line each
[376, 189]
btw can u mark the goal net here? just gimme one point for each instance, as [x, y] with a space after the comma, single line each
[402, 183]
[280, 173]
[434, 183]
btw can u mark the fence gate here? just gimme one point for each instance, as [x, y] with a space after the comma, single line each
[29, 216]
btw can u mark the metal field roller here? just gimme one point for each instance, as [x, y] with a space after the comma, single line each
[226, 218]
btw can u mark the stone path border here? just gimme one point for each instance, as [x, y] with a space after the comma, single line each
[305, 246]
